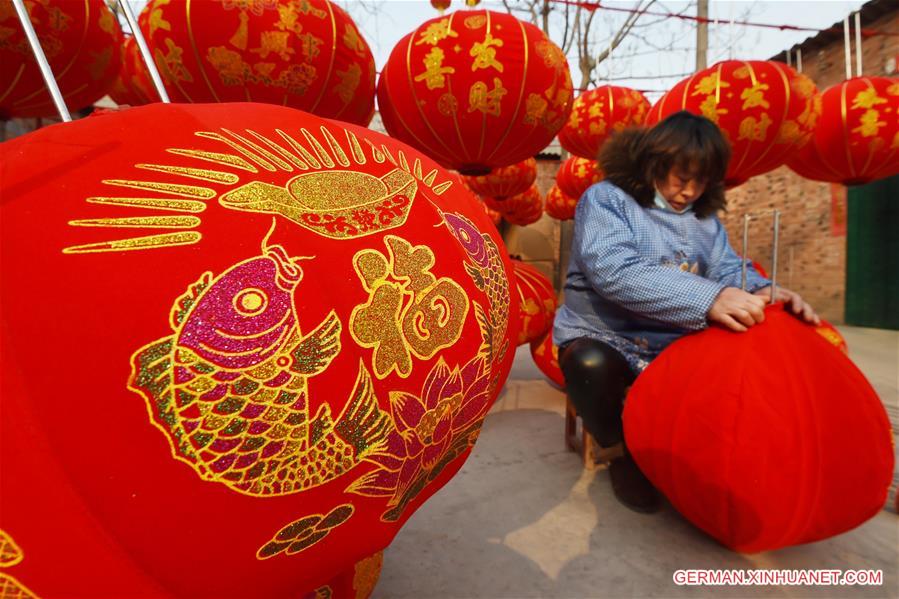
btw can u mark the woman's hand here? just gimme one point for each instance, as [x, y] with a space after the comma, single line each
[737, 310]
[797, 305]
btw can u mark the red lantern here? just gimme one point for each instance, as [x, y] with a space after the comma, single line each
[505, 181]
[475, 90]
[522, 209]
[133, 85]
[857, 137]
[833, 336]
[559, 205]
[746, 450]
[307, 55]
[597, 113]
[537, 302]
[576, 175]
[441, 5]
[546, 357]
[765, 110]
[280, 336]
[80, 41]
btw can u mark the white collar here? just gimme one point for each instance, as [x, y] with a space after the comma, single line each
[663, 204]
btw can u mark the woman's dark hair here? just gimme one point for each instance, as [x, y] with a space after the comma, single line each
[635, 159]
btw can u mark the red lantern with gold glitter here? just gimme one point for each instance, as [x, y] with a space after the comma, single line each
[765, 110]
[546, 356]
[599, 112]
[133, 85]
[280, 336]
[857, 136]
[80, 40]
[537, 302]
[559, 205]
[307, 55]
[505, 181]
[576, 175]
[522, 209]
[475, 90]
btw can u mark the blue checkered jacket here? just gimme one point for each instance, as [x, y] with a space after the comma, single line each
[639, 278]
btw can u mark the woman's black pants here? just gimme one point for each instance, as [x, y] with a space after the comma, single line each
[596, 379]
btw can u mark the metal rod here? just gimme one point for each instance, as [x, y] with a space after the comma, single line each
[848, 47]
[858, 43]
[799, 59]
[789, 58]
[144, 51]
[41, 59]
[774, 256]
[745, 246]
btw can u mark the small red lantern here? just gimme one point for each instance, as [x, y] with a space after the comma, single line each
[537, 302]
[80, 40]
[597, 113]
[475, 90]
[505, 181]
[307, 55]
[755, 465]
[576, 175]
[280, 336]
[522, 209]
[766, 110]
[559, 205]
[546, 357]
[857, 137]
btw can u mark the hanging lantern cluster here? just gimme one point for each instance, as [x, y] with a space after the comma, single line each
[307, 55]
[577, 174]
[505, 181]
[80, 41]
[475, 90]
[522, 209]
[856, 139]
[560, 205]
[537, 302]
[765, 110]
[133, 86]
[599, 112]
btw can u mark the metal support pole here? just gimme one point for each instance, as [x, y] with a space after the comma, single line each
[745, 249]
[144, 51]
[848, 47]
[41, 59]
[774, 255]
[858, 44]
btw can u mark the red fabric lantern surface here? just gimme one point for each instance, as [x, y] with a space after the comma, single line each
[599, 112]
[357, 582]
[80, 41]
[576, 175]
[546, 357]
[857, 137]
[279, 336]
[133, 86]
[307, 55]
[522, 209]
[537, 302]
[559, 205]
[738, 429]
[766, 110]
[475, 90]
[505, 181]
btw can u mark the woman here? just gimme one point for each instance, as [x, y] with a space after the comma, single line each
[650, 262]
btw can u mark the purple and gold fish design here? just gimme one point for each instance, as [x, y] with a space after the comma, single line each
[229, 387]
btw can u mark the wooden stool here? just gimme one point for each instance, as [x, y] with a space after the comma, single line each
[584, 444]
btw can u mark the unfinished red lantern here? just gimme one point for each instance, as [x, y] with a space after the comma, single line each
[81, 41]
[308, 55]
[279, 336]
[475, 90]
[599, 112]
[746, 451]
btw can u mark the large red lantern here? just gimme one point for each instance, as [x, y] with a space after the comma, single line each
[475, 90]
[80, 40]
[559, 205]
[576, 175]
[857, 137]
[307, 55]
[746, 451]
[765, 110]
[133, 86]
[279, 336]
[522, 209]
[537, 302]
[546, 356]
[599, 112]
[505, 181]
